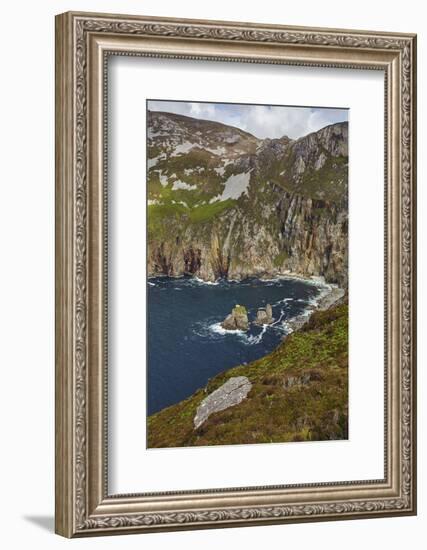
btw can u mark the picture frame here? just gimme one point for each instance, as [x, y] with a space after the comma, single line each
[84, 42]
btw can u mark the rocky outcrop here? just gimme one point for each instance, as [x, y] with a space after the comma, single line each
[264, 316]
[192, 260]
[292, 381]
[224, 204]
[237, 319]
[297, 322]
[233, 392]
[331, 297]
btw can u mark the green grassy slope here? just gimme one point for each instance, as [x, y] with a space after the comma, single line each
[299, 393]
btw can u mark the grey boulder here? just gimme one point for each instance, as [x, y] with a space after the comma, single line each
[229, 394]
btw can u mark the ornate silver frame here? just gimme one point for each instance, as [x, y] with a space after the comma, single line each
[83, 42]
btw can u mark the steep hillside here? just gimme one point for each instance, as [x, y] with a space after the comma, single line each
[299, 392]
[222, 203]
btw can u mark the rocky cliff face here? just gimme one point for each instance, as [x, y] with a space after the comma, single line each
[222, 203]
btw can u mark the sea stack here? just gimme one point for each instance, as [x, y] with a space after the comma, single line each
[237, 319]
[264, 316]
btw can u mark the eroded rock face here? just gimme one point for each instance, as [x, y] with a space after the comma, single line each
[224, 204]
[264, 316]
[233, 392]
[303, 380]
[332, 297]
[237, 320]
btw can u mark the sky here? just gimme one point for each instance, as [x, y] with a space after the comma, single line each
[260, 120]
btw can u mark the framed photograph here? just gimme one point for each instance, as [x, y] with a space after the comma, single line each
[235, 274]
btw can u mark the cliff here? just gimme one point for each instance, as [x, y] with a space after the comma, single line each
[299, 392]
[222, 203]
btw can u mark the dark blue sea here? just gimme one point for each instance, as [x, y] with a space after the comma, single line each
[186, 344]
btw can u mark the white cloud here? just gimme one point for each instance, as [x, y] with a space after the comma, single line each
[202, 110]
[260, 120]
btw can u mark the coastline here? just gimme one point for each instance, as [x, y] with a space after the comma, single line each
[316, 280]
[322, 297]
[330, 293]
[281, 398]
[331, 296]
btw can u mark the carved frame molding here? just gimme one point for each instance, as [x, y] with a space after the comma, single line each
[83, 42]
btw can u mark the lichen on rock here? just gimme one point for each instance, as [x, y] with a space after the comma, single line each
[228, 395]
[237, 319]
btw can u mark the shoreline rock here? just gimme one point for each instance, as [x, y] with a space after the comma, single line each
[237, 319]
[331, 298]
[264, 316]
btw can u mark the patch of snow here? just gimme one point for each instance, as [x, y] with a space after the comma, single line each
[218, 151]
[180, 202]
[220, 171]
[178, 184]
[231, 140]
[152, 134]
[152, 201]
[163, 179]
[153, 161]
[235, 186]
[182, 148]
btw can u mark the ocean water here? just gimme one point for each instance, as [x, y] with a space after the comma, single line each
[186, 344]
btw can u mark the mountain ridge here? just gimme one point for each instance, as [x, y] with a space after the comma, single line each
[215, 122]
[199, 120]
[223, 203]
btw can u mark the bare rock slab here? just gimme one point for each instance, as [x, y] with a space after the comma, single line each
[229, 394]
[334, 296]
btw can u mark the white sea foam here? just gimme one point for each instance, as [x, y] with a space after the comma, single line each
[202, 282]
[287, 328]
[276, 323]
[256, 339]
[218, 329]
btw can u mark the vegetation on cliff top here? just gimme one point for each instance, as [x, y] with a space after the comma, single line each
[170, 219]
[299, 393]
[240, 310]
